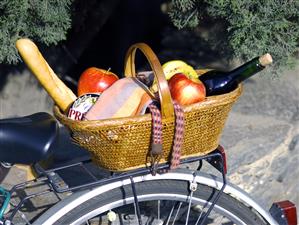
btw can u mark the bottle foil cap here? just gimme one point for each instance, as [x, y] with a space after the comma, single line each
[266, 59]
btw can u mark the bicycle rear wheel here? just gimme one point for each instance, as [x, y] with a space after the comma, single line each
[161, 201]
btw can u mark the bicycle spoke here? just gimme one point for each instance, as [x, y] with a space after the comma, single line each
[220, 222]
[158, 209]
[201, 212]
[170, 213]
[189, 207]
[177, 213]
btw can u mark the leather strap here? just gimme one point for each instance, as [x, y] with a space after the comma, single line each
[157, 141]
[178, 136]
[156, 148]
[164, 93]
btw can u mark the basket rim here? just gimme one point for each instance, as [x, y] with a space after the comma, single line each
[208, 102]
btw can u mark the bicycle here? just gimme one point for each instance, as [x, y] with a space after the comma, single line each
[134, 197]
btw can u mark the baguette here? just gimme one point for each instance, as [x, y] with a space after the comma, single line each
[58, 91]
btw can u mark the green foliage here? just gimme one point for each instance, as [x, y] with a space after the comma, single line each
[188, 13]
[44, 21]
[253, 26]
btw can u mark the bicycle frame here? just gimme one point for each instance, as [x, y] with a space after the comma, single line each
[6, 196]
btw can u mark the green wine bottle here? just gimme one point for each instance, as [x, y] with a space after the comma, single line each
[217, 82]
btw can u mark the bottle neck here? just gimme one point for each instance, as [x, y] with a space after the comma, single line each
[246, 70]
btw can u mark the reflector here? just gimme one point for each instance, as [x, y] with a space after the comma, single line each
[284, 212]
[222, 152]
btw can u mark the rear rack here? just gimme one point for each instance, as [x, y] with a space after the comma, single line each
[60, 179]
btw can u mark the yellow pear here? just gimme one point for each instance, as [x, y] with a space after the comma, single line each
[172, 67]
[178, 66]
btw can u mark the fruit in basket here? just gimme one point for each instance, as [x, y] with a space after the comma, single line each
[178, 66]
[173, 67]
[186, 91]
[95, 80]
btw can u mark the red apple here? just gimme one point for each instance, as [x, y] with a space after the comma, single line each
[95, 80]
[186, 91]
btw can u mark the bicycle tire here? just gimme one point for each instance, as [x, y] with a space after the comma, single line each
[148, 190]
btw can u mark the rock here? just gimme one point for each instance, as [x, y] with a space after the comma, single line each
[261, 139]
[294, 143]
[267, 96]
[22, 95]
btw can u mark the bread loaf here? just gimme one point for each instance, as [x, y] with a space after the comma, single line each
[58, 91]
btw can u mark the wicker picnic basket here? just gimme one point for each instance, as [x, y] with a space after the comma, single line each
[122, 144]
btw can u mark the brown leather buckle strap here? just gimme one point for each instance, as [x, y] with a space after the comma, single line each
[178, 136]
[156, 149]
[157, 141]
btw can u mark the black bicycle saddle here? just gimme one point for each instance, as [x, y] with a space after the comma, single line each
[27, 139]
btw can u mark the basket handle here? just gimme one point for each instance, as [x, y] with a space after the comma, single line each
[167, 109]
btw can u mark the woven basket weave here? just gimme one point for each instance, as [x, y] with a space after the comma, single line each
[122, 144]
